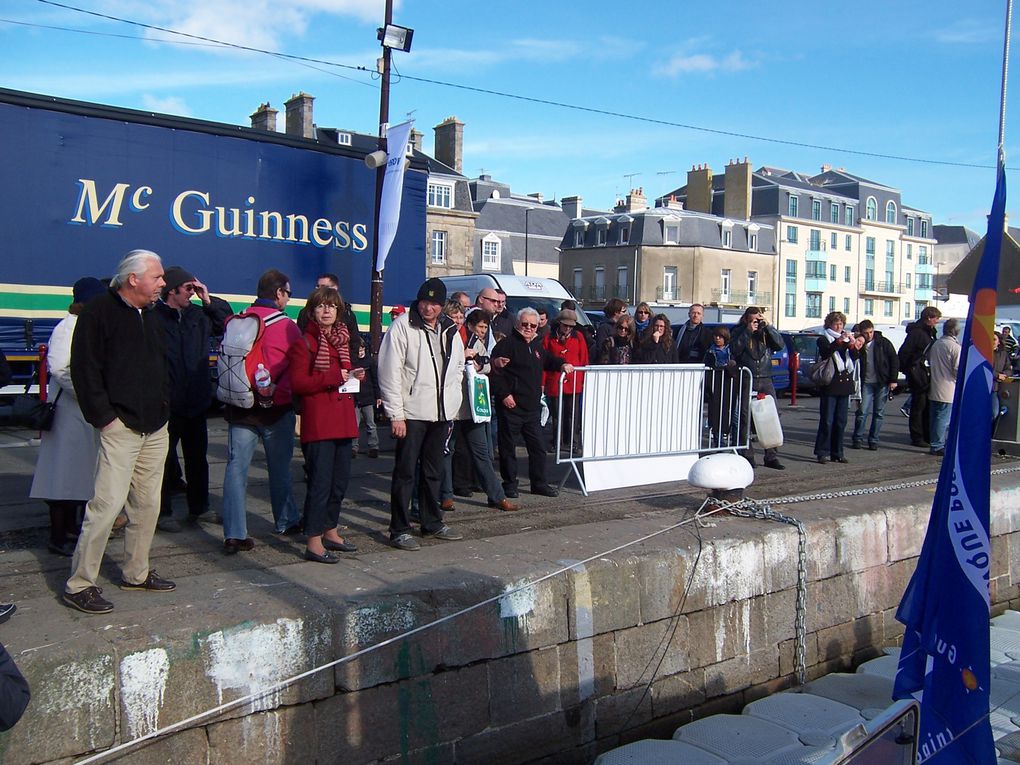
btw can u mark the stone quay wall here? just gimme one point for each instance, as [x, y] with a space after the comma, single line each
[583, 661]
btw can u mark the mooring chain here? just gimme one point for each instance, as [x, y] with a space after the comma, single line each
[749, 508]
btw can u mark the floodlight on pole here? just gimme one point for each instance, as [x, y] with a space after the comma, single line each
[395, 37]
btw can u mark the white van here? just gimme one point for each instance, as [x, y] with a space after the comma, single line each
[521, 291]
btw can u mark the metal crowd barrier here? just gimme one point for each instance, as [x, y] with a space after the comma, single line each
[646, 410]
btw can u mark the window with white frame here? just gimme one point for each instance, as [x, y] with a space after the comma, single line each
[790, 293]
[906, 277]
[816, 240]
[579, 237]
[793, 205]
[438, 248]
[846, 274]
[440, 195]
[924, 228]
[887, 308]
[752, 285]
[623, 235]
[848, 243]
[725, 281]
[491, 249]
[622, 287]
[906, 309]
[890, 212]
[752, 240]
[727, 237]
[869, 307]
[846, 305]
[791, 234]
[834, 241]
[600, 283]
[832, 303]
[672, 233]
[578, 281]
[848, 215]
[834, 212]
[910, 226]
[600, 236]
[669, 285]
[909, 251]
[871, 209]
[813, 305]
[816, 209]
[832, 272]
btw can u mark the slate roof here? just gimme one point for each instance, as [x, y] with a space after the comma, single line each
[945, 234]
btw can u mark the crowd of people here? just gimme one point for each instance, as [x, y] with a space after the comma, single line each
[111, 459]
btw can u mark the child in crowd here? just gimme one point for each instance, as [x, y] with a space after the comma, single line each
[721, 387]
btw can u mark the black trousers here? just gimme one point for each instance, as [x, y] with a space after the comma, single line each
[510, 422]
[193, 436]
[571, 419]
[920, 425]
[329, 471]
[424, 440]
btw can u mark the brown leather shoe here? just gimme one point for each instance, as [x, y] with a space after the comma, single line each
[231, 546]
[447, 505]
[505, 505]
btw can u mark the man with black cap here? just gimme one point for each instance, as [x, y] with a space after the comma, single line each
[421, 372]
[188, 327]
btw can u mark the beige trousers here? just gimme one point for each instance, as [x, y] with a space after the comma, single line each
[129, 476]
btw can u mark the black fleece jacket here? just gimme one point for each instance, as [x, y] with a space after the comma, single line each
[118, 365]
[522, 377]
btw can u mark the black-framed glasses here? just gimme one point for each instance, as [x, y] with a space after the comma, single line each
[285, 291]
[528, 325]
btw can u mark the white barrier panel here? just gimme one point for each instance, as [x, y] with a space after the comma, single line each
[641, 410]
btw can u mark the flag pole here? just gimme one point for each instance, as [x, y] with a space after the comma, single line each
[1005, 77]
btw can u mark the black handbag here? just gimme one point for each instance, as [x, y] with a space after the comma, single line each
[30, 412]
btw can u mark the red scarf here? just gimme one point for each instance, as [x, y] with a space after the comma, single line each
[338, 337]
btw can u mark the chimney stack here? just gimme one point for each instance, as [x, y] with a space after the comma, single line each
[737, 194]
[636, 200]
[572, 207]
[299, 116]
[415, 139]
[826, 168]
[264, 118]
[450, 143]
[699, 189]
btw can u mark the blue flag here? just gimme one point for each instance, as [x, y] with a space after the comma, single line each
[946, 650]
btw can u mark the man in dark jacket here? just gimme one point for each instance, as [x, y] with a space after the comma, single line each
[693, 338]
[188, 328]
[14, 691]
[914, 363]
[518, 363]
[880, 368]
[118, 367]
[751, 344]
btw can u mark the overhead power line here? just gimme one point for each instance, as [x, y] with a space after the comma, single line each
[534, 99]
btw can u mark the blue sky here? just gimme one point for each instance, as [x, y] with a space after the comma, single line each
[917, 78]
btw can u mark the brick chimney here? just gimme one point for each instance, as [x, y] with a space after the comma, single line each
[264, 118]
[699, 189]
[450, 143]
[572, 206]
[299, 116]
[415, 139]
[636, 200]
[737, 198]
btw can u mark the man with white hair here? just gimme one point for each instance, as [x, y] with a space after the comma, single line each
[518, 362]
[118, 367]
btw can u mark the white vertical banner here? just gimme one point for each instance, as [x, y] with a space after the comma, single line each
[392, 188]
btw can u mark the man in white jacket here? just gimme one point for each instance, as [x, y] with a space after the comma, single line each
[421, 372]
[944, 361]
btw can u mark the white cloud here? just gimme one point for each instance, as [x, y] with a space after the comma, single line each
[968, 32]
[700, 63]
[166, 105]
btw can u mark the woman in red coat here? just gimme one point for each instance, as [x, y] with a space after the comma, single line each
[320, 363]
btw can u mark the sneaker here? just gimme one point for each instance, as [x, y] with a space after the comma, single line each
[152, 583]
[904, 411]
[89, 601]
[406, 542]
[168, 524]
[447, 534]
[6, 611]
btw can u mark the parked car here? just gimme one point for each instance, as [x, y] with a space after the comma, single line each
[806, 344]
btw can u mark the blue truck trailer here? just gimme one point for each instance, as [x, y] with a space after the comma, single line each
[84, 183]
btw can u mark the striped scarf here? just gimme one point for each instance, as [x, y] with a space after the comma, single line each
[338, 337]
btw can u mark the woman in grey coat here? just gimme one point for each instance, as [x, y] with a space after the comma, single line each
[65, 471]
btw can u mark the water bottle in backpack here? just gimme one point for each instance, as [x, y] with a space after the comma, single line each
[263, 381]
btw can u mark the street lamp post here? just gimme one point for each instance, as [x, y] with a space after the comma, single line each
[390, 37]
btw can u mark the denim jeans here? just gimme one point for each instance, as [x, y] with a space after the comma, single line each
[940, 413]
[874, 397]
[366, 424]
[832, 416]
[278, 443]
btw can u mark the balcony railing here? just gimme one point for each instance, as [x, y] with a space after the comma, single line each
[667, 295]
[882, 287]
[741, 297]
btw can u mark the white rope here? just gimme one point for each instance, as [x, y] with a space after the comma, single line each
[122, 748]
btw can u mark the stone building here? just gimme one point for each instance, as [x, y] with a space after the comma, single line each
[666, 254]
